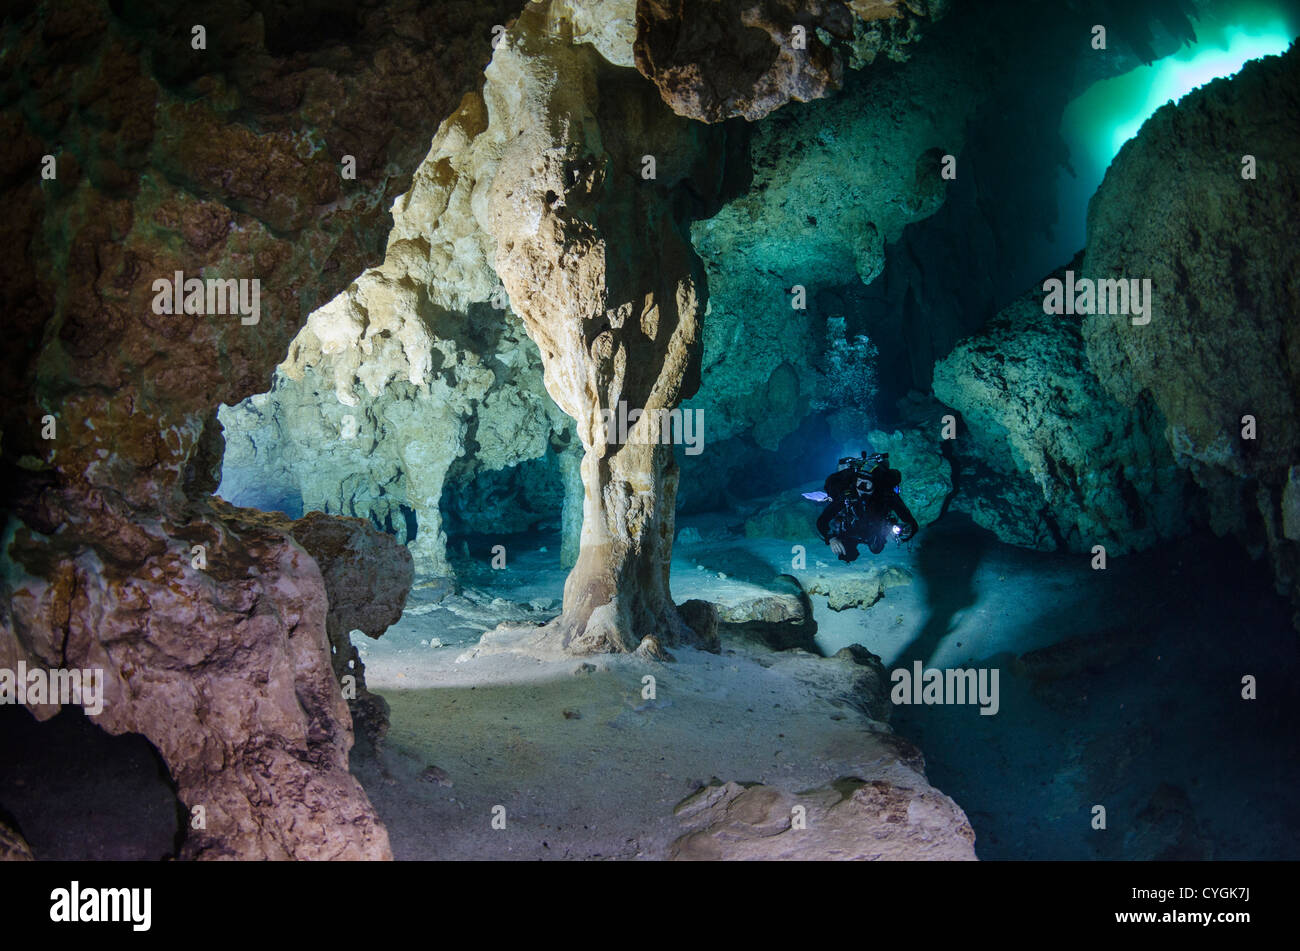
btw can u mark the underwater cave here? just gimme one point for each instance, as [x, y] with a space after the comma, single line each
[651, 429]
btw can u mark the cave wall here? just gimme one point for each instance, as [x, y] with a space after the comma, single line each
[848, 202]
[290, 439]
[997, 232]
[1122, 429]
[1051, 459]
[415, 389]
[402, 453]
[833, 181]
[931, 261]
[224, 161]
[1222, 252]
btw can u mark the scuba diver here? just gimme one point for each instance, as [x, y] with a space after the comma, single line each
[865, 507]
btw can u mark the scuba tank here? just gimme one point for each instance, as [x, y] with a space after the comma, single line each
[877, 466]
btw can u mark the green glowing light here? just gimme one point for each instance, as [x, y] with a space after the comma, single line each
[1177, 75]
[1112, 111]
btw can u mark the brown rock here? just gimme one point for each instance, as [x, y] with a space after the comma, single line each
[225, 669]
[224, 162]
[716, 59]
[13, 847]
[713, 61]
[847, 819]
[702, 618]
[367, 575]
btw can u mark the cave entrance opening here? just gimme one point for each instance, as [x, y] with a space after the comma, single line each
[1110, 112]
[75, 792]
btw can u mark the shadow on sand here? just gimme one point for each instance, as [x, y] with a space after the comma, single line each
[946, 561]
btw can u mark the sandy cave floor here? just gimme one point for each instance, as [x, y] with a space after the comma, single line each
[586, 768]
[1152, 725]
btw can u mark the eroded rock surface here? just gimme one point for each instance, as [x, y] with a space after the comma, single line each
[834, 182]
[13, 847]
[714, 61]
[419, 384]
[847, 819]
[388, 384]
[1067, 465]
[367, 576]
[927, 474]
[1221, 252]
[782, 620]
[843, 592]
[225, 162]
[596, 262]
[847, 183]
[224, 668]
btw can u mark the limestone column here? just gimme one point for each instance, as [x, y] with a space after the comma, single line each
[596, 258]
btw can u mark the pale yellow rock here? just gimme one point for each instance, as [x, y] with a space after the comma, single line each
[598, 267]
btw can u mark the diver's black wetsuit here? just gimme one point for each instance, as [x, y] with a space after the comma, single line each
[858, 520]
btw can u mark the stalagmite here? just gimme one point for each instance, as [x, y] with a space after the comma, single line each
[597, 262]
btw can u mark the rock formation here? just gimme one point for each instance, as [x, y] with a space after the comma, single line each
[1221, 249]
[1059, 463]
[844, 592]
[822, 219]
[225, 161]
[834, 181]
[848, 202]
[714, 61]
[847, 819]
[927, 474]
[13, 847]
[225, 668]
[367, 576]
[388, 383]
[1005, 221]
[132, 153]
[594, 255]
[419, 383]
[398, 449]
[782, 620]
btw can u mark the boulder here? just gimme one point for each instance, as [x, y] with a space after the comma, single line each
[702, 617]
[780, 621]
[868, 691]
[844, 590]
[714, 61]
[847, 819]
[1064, 464]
